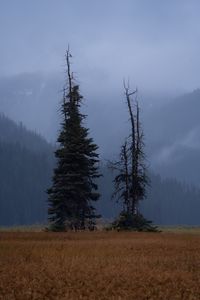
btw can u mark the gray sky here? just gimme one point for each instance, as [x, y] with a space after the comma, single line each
[154, 42]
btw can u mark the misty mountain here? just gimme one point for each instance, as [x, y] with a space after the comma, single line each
[172, 128]
[12, 133]
[33, 100]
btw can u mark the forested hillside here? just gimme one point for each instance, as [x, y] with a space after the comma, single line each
[24, 177]
[168, 202]
[26, 161]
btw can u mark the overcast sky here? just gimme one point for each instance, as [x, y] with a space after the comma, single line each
[154, 42]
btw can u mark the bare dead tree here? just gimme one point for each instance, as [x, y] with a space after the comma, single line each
[130, 168]
[122, 179]
[133, 147]
[131, 179]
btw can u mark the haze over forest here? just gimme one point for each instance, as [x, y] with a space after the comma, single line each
[154, 44]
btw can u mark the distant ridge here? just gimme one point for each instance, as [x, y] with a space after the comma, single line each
[11, 132]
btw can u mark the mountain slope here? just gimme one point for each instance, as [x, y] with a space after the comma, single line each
[24, 177]
[173, 138]
[12, 133]
[26, 163]
[32, 99]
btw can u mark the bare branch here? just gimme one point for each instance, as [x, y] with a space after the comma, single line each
[70, 76]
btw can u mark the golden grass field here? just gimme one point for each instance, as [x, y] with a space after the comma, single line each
[99, 265]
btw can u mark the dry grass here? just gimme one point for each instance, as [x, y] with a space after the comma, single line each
[101, 265]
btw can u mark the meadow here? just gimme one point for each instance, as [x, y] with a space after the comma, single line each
[100, 265]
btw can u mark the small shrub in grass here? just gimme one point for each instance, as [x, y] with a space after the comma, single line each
[136, 222]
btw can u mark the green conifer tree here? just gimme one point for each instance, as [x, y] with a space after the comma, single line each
[74, 188]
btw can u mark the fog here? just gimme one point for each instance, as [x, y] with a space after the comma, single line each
[155, 43]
